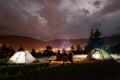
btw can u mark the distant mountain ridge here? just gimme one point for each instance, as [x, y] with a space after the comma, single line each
[29, 43]
[17, 41]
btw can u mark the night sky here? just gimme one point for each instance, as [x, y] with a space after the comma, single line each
[59, 19]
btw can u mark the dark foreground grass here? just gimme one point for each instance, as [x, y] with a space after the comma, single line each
[94, 71]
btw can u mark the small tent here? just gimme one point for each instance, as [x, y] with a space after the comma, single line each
[21, 57]
[98, 54]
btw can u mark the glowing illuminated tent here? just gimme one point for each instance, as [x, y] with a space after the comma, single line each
[98, 54]
[22, 57]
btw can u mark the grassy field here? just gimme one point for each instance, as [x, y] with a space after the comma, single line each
[85, 71]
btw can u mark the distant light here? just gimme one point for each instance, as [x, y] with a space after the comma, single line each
[67, 49]
[55, 49]
[60, 62]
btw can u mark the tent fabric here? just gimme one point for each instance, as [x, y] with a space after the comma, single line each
[98, 54]
[22, 57]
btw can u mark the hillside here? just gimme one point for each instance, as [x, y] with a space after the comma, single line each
[17, 41]
[29, 43]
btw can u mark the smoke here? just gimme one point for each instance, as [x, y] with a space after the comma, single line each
[65, 45]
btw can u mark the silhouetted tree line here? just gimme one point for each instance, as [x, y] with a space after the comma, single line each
[6, 51]
[77, 50]
[47, 52]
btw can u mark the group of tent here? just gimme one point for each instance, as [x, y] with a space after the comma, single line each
[24, 57]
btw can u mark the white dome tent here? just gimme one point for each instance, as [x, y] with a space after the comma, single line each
[21, 57]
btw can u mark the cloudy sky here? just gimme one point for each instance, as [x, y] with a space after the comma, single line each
[59, 19]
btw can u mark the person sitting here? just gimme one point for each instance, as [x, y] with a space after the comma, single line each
[70, 56]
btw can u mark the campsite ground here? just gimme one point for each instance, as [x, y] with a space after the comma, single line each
[86, 71]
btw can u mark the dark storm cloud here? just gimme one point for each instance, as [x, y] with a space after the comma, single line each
[118, 28]
[21, 18]
[53, 16]
[96, 25]
[57, 19]
[110, 22]
[97, 3]
[113, 6]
